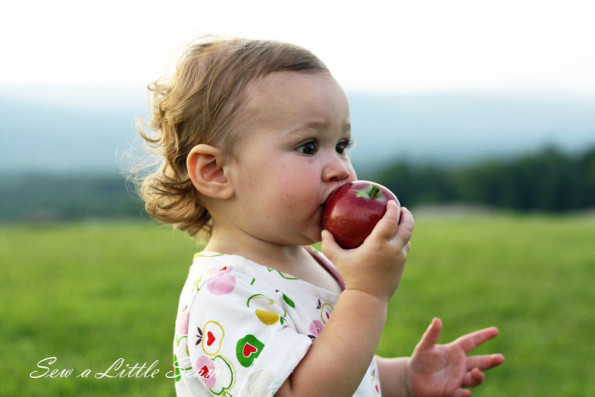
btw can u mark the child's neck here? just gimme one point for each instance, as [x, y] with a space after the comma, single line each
[260, 251]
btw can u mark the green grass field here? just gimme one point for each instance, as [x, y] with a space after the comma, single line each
[91, 293]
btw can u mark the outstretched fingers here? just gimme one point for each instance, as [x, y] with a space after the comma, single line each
[473, 378]
[484, 362]
[431, 336]
[462, 393]
[471, 341]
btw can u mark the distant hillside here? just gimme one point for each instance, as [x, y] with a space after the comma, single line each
[88, 128]
[453, 129]
[39, 136]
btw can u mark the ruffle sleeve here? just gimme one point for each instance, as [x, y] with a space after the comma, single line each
[234, 337]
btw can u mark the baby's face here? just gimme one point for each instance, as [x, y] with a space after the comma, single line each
[295, 134]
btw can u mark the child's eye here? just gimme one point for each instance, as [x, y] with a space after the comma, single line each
[308, 148]
[344, 146]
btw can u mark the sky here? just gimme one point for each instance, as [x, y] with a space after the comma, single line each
[380, 46]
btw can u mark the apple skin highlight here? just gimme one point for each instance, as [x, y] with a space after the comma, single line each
[353, 209]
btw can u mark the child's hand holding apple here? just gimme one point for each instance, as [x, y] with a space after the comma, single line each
[367, 237]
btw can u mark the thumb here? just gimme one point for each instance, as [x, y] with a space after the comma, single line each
[431, 336]
[388, 224]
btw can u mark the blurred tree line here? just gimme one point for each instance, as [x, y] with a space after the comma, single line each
[549, 180]
[44, 197]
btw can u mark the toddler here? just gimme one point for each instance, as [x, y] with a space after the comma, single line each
[254, 136]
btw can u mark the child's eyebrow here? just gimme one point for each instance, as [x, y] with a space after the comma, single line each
[318, 126]
[347, 128]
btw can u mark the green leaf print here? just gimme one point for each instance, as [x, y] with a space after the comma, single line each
[288, 301]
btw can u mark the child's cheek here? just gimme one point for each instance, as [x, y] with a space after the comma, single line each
[296, 198]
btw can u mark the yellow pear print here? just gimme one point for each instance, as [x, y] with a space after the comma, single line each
[268, 318]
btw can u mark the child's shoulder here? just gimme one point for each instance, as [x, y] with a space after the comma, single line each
[212, 264]
[208, 265]
[224, 274]
[214, 276]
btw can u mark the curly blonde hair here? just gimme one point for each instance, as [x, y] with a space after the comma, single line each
[197, 105]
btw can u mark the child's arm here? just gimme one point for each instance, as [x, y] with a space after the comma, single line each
[438, 370]
[339, 357]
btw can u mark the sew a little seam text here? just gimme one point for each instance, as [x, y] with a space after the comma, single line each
[47, 368]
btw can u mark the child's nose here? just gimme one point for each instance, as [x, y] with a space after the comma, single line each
[337, 169]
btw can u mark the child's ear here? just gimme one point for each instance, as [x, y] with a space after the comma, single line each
[207, 170]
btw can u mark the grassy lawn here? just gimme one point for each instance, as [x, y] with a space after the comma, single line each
[91, 293]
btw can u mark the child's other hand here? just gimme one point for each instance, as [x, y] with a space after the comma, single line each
[377, 265]
[445, 370]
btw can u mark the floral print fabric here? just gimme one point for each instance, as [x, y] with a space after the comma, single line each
[242, 328]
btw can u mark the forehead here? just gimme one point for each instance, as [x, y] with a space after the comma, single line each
[296, 95]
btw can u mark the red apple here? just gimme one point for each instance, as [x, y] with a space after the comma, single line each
[353, 209]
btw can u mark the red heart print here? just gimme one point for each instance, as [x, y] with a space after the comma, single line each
[248, 350]
[204, 372]
[210, 338]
